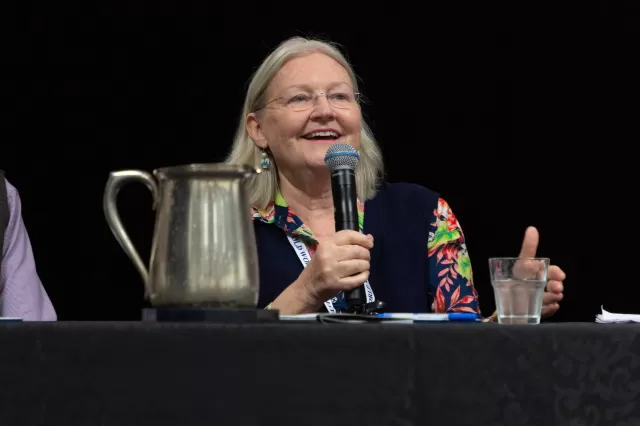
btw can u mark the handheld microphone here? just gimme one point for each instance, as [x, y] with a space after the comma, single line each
[342, 159]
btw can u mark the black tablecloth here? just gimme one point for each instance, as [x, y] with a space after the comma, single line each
[122, 374]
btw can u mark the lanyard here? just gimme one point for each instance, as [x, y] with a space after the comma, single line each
[305, 258]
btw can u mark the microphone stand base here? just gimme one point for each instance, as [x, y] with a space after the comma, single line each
[372, 308]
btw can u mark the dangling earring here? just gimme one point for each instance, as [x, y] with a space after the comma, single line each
[265, 160]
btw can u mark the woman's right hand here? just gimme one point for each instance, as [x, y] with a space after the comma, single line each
[340, 263]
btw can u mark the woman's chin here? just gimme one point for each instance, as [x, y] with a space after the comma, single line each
[317, 164]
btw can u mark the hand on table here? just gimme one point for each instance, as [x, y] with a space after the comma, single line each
[555, 275]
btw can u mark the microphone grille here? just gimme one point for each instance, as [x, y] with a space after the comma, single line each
[341, 155]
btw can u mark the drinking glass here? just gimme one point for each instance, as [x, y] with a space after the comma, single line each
[518, 286]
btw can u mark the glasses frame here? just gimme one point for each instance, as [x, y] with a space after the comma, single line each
[316, 95]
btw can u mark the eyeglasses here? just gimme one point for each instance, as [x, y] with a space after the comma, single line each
[304, 101]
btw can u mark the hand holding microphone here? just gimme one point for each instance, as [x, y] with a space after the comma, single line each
[340, 264]
[342, 159]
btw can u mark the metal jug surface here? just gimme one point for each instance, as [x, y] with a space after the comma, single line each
[204, 251]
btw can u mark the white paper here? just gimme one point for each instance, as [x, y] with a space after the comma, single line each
[300, 317]
[608, 317]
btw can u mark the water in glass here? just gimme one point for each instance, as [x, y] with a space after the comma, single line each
[519, 301]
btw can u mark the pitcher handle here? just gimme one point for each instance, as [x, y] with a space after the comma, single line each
[116, 181]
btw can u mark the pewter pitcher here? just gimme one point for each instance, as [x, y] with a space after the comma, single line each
[204, 251]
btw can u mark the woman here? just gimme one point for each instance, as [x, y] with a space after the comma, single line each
[411, 251]
[22, 295]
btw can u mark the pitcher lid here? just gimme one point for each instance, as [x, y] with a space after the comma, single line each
[205, 169]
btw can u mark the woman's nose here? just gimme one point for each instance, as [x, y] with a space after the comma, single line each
[322, 106]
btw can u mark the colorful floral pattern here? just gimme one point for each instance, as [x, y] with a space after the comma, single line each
[279, 213]
[451, 279]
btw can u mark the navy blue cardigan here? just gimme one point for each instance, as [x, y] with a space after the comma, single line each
[399, 218]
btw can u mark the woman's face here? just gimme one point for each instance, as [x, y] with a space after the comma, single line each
[311, 104]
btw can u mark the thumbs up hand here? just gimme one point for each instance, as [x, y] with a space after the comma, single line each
[555, 276]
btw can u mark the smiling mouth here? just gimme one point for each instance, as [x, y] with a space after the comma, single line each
[322, 136]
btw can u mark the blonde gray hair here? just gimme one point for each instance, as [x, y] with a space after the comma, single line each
[263, 186]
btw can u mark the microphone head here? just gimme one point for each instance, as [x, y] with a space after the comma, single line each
[341, 155]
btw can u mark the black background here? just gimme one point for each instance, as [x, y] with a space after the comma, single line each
[517, 115]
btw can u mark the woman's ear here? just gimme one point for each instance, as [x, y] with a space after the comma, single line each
[254, 129]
